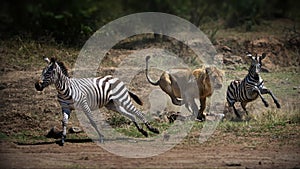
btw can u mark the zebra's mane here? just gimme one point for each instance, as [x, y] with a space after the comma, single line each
[63, 68]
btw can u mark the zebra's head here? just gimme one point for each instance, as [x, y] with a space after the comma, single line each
[256, 62]
[50, 73]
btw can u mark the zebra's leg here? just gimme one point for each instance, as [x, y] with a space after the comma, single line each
[88, 114]
[121, 110]
[140, 129]
[260, 95]
[231, 104]
[243, 104]
[101, 137]
[136, 113]
[267, 91]
[66, 115]
[151, 128]
[139, 114]
[236, 112]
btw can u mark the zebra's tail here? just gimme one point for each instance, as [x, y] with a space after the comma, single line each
[147, 74]
[135, 98]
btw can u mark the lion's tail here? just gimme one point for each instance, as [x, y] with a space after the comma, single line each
[147, 73]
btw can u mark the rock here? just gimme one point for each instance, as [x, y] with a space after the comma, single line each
[47, 110]
[166, 137]
[226, 49]
[54, 133]
[233, 59]
[3, 86]
[230, 67]
[296, 87]
[237, 59]
[157, 119]
[232, 164]
[228, 61]
[75, 130]
[266, 70]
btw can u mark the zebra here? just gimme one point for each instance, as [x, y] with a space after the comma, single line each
[250, 87]
[89, 94]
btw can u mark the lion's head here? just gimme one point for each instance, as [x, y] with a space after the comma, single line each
[209, 77]
[216, 76]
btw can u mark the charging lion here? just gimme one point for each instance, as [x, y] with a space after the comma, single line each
[184, 85]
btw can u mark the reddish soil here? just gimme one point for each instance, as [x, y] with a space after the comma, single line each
[207, 155]
[29, 114]
[25, 110]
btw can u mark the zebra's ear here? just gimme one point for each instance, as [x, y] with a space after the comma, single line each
[263, 56]
[47, 60]
[249, 55]
[53, 60]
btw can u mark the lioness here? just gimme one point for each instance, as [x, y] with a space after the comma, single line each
[180, 85]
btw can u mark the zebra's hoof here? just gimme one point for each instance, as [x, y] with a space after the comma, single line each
[155, 130]
[200, 119]
[266, 104]
[278, 105]
[101, 138]
[144, 133]
[61, 143]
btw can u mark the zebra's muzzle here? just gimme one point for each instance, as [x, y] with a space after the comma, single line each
[39, 86]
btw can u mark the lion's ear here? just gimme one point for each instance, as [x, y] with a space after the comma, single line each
[208, 70]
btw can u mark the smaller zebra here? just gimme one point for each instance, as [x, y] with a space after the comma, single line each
[248, 89]
[89, 94]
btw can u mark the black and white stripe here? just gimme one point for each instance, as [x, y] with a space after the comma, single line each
[89, 94]
[250, 87]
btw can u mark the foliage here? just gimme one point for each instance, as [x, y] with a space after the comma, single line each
[292, 37]
[73, 21]
[117, 120]
[3, 136]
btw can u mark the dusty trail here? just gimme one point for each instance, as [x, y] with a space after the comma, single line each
[89, 155]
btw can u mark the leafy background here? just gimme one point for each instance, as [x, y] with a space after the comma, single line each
[73, 21]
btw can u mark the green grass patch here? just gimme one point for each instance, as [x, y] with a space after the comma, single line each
[37, 137]
[28, 137]
[282, 83]
[27, 54]
[268, 125]
[3, 136]
[272, 123]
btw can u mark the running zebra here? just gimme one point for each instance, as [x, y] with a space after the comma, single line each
[89, 94]
[250, 87]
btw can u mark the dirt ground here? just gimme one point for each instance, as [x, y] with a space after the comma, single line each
[89, 155]
[27, 115]
[24, 109]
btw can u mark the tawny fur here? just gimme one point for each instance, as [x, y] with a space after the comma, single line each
[207, 80]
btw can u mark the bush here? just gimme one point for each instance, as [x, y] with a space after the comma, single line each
[73, 21]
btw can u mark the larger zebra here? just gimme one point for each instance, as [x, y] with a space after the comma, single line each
[89, 94]
[250, 87]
